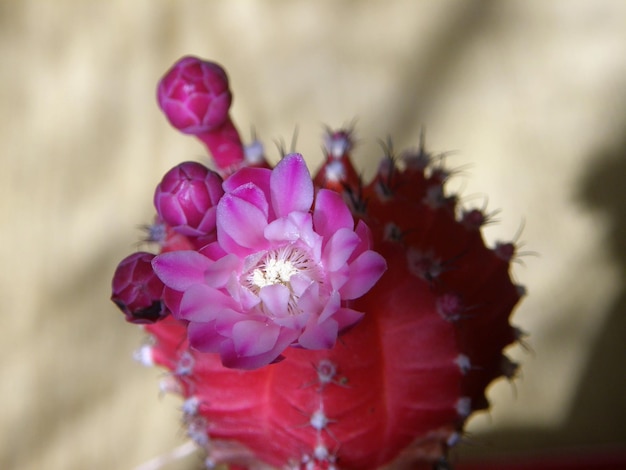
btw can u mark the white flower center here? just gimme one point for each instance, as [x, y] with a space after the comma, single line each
[273, 271]
[277, 267]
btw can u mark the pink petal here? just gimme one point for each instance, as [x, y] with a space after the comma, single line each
[231, 359]
[292, 322]
[339, 277]
[218, 274]
[275, 299]
[365, 271]
[346, 317]
[310, 301]
[181, 269]
[331, 307]
[300, 282]
[172, 300]
[339, 248]
[246, 298]
[168, 206]
[229, 245]
[252, 338]
[203, 337]
[203, 303]
[240, 224]
[251, 193]
[331, 213]
[319, 336]
[304, 222]
[207, 224]
[291, 186]
[213, 251]
[281, 230]
[228, 318]
[365, 235]
[260, 177]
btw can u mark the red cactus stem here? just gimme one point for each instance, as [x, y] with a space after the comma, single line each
[337, 172]
[255, 155]
[224, 144]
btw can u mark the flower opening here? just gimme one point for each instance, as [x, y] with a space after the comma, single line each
[276, 267]
[280, 273]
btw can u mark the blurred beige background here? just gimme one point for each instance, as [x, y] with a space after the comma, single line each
[530, 94]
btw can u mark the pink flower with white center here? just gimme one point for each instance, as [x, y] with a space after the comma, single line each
[284, 267]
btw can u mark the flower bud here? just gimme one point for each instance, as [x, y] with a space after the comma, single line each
[194, 95]
[137, 291]
[186, 198]
[195, 98]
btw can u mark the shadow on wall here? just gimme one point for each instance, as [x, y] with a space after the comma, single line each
[598, 412]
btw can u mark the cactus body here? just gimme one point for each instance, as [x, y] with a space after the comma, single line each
[397, 386]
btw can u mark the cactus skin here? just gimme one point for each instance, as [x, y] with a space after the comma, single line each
[397, 388]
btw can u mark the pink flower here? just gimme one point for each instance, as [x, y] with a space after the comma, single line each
[281, 272]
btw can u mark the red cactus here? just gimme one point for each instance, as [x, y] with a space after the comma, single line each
[397, 387]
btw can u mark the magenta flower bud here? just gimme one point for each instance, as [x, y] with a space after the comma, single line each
[194, 95]
[137, 291]
[195, 98]
[186, 199]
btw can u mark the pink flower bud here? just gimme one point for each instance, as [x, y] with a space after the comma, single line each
[186, 198]
[194, 95]
[137, 291]
[195, 98]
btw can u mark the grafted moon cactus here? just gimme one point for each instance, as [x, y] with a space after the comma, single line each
[315, 322]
